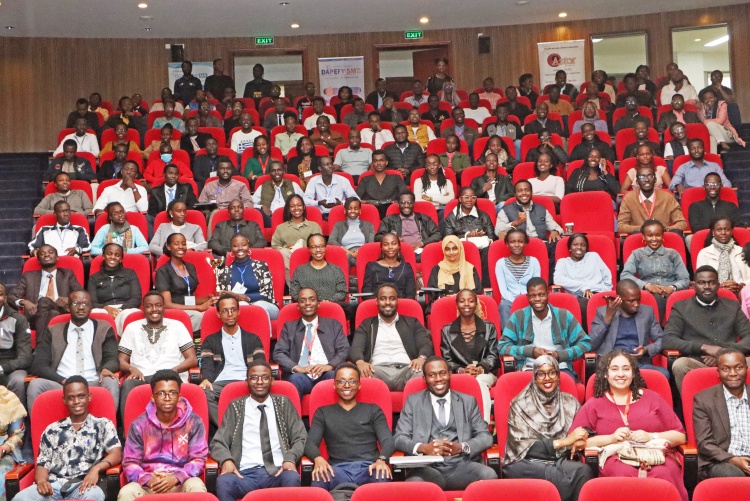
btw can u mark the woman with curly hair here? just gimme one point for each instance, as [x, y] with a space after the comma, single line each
[623, 411]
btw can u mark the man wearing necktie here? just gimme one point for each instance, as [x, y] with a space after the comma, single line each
[439, 421]
[84, 346]
[260, 441]
[275, 118]
[310, 348]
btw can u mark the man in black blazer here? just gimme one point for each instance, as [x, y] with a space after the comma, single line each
[309, 349]
[171, 190]
[377, 97]
[723, 449]
[206, 166]
[441, 422]
[40, 303]
[390, 347]
[192, 140]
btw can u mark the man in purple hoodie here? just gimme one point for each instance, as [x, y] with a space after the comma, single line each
[166, 447]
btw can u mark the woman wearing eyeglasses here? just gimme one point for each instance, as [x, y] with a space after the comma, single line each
[390, 268]
[538, 443]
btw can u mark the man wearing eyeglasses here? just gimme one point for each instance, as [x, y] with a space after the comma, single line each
[701, 213]
[646, 203]
[226, 354]
[152, 344]
[260, 441]
[166, 448]
[414, 228]
[310, 347]
[439, 421]
[691, 174]
[83, 346]
[352, 431]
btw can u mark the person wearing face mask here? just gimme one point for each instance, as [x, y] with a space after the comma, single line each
[154, 173]
[118, 230]
[114, 289]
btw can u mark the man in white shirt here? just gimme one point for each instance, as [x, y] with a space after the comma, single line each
[355, 160]
[678, 84]
[260, 441]
[83, 347]
[131, 195]
[419, 97]
[476, 112]
[86, 141]
[154, 343]
[327, 191]
[319, 105]
[376, 135]
[244, 138]
[390, 347]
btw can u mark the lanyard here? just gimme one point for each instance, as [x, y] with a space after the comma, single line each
[627, 407]
[648, 212]
[264, 166]
[242, 272]
[185, 277]
[60, 235]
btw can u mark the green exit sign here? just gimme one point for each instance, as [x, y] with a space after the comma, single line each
[412, 35]
[263, 40]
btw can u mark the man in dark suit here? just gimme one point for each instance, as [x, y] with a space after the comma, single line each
[720, 417]
[193, 140]
[309, 349]
[390, 347]
[377, 97]
[220, 367]
[459, 128]
[206, 166]
[161, 196]
[621, 320]
[15, 349]
[441, 422]
[43, 294]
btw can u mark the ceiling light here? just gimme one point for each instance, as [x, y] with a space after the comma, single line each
[424, 20]
[562, 14]
[142, 5]
[295, 26]
[596, 40]
[9, 27]
[697, 40]
[718, 41]
[284, 4]
[147, 29]
[522, 2]
[146, 18]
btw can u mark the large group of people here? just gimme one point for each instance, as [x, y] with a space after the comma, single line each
[488, 212]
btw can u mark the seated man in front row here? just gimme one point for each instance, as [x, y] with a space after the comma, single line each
[626, 324]
[542, 329]
[441, 422]
[699, 327]
[166, 448]
[310, 348]
[720, 414]
[226, 354]
[390, 347]
[352, 431]
[73, 451]
[260, 441]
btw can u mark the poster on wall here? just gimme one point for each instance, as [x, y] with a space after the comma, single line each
[336, 72]
[567, 55]
[201, 70]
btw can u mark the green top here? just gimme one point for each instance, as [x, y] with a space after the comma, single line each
[254, 166]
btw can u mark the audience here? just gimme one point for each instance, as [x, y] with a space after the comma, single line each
[225, 188]
[258, 164]
[628, 120]
[435, 114]
[288, 138]
[514, 272]
[15, 361]
[433, 186]
[67, 239]
[112, 169]
[353, 159]
[119, 231]
[692, 173]
[318, 106]
[418, 132]
[459, 128]
[274, 193]
[357, 116]
[413, 228]
[166, 138]
[129, 193]
[418, 96]
[305, 163]
[723, 253]
[593, 175]
[221, 235]
[169, 118]
[187, 85]
[323, 135]
[713, 114]
[644, 157]
[453, 158]
[590, 116]
[82, 111]
[85, 141]
[591, 141]
[353, 232]
[701, 213]
[678, 84]
[293, 232]
[678, 114]
[469, 223]
[171, 191]
[114, 289]
[243, 138]
[404, 156]
[546, 147]
[176, 223]
[74, 166]
[375, 134]
[649, 202]
[381, 189]
[13, 430]
[492, 185]
[547, 183]
[391, 268]
[326, 191]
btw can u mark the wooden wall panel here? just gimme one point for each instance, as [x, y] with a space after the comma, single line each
[44, 76]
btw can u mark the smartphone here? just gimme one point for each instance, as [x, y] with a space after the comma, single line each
[610, 298]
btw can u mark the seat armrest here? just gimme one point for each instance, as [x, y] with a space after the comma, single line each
[306, 469]
[671, 356]
[212, 472]
[556, 288]
[275, 371]
[399, 473]
[589, 360]
[286, 300]
[13, 478]
[690, 465]
[194, 375]
[494, 459]
[592, 460]
[113, 482]
[509, 364]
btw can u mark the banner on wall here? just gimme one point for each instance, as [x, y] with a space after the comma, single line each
[337, 72]
[201, 70]
[567, 55]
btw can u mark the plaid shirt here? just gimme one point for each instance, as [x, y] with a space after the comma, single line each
[739, 423]
[68, 454]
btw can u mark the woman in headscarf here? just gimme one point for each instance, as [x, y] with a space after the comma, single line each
[469, 345]
[722, 252]
[12, 430]
[538, 444]
[119, 231]
[454, 272]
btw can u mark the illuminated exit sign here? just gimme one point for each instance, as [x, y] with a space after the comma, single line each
[413, 35]
[263, 40]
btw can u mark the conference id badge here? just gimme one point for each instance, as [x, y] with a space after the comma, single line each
[239, 288]
[308, 173]
[189, 300]
[213, 173]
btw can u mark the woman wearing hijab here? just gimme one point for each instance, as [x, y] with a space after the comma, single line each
[469, 346]
[119, 231]
[538, 444]
[12, 430]
[454, 272]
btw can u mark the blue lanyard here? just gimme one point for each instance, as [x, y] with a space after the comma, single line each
[242, 272]
[185, 277]
[61, 236]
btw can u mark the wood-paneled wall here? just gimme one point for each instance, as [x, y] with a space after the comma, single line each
[42, 77]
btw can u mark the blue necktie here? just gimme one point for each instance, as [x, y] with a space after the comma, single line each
[304, 360]
[171, 194]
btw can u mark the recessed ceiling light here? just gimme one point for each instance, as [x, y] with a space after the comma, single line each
[146, 18]
[718, 41]
[697, 40]
[562, 14]
[424, 20]
[9, 27]
[522, 2]
[147, 29]
[295, 26]
[142, 5]
[284, 4]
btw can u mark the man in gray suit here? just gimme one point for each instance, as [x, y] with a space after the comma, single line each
[627, 324]
[441, 422]
[721, 420]
[39, 301]
[309, 349]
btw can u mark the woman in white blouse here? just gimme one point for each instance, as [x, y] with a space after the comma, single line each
[176, 213]
[433, 186]
[547, 183]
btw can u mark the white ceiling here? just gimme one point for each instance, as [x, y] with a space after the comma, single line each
[247, 18]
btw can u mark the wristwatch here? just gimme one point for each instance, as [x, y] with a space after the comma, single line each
[383, 459]
[465, 449]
